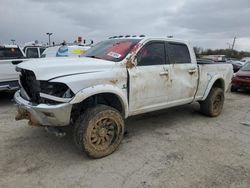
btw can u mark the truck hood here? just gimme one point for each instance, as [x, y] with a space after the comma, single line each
[49, 68]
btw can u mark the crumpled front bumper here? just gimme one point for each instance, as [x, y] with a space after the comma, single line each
[42, 114]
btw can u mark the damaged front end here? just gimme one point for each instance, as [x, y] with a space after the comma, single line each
[43, 103]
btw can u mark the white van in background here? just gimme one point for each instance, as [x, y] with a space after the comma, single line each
[65, 51]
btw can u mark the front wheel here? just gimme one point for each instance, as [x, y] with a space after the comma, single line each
[99, 131]
[213, 104]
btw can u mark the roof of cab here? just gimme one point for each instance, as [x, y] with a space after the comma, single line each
[9, 45]
[146, 38]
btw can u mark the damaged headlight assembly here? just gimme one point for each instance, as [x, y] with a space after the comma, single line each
[55, 91]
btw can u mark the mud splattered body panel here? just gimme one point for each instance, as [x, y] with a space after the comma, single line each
[139, 88]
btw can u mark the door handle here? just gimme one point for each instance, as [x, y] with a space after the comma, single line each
[164, 73]
[191, 71]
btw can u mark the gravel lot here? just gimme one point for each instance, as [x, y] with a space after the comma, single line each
[177, 147]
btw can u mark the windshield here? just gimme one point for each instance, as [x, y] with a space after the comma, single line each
[246, 67]
[112, 50]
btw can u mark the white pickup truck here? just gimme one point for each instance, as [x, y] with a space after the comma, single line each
[117, 78]
[10, 55]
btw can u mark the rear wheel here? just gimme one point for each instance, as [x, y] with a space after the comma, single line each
[99, 131]
[213, 104]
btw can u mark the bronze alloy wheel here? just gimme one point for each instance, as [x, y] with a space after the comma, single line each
[99, 131]
[103, 133]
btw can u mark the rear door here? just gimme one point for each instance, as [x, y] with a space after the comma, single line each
[184, 74]
[149, 80]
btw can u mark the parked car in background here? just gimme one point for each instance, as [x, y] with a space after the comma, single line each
[65, 51]
[10, 56]
[236, 64]
[117, 78]
[215, 58]
[33, 51]
[241, 79]
[245, 59]
[204, 61]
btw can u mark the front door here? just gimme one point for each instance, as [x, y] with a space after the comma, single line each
[150, 79]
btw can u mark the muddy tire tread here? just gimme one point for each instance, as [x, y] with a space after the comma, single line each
[206, 106]
[80, 130]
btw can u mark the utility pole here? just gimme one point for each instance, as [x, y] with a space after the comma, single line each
[233, 46]
[49, 34]
[233, 43]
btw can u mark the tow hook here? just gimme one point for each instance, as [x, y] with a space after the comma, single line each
[55, 131]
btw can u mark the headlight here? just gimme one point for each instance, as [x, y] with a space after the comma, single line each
[56, 89]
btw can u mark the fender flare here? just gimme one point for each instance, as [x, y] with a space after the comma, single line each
[99, 89]
[211, 83]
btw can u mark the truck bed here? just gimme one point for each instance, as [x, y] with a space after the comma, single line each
[209, 71]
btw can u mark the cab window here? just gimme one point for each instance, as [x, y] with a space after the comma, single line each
[178, 53]
[152, 54]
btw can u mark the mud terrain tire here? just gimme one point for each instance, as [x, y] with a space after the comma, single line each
[99, 131]
[213, 104]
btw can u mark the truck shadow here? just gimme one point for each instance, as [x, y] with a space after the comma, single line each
[242, 92]
[35, 143]
[167, 118]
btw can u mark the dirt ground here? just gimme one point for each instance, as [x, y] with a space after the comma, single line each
[177, 147]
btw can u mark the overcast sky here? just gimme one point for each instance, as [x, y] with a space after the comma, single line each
[206, 23]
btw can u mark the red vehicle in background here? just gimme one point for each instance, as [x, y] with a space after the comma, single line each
[241, 80]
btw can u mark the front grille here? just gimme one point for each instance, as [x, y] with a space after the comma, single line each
[30, 85]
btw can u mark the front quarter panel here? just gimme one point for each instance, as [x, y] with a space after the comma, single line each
[103, 88]
[88, 84]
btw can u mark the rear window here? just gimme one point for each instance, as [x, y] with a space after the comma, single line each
[179, 53]
[10, 53]
[32, 53]
[112, 50]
